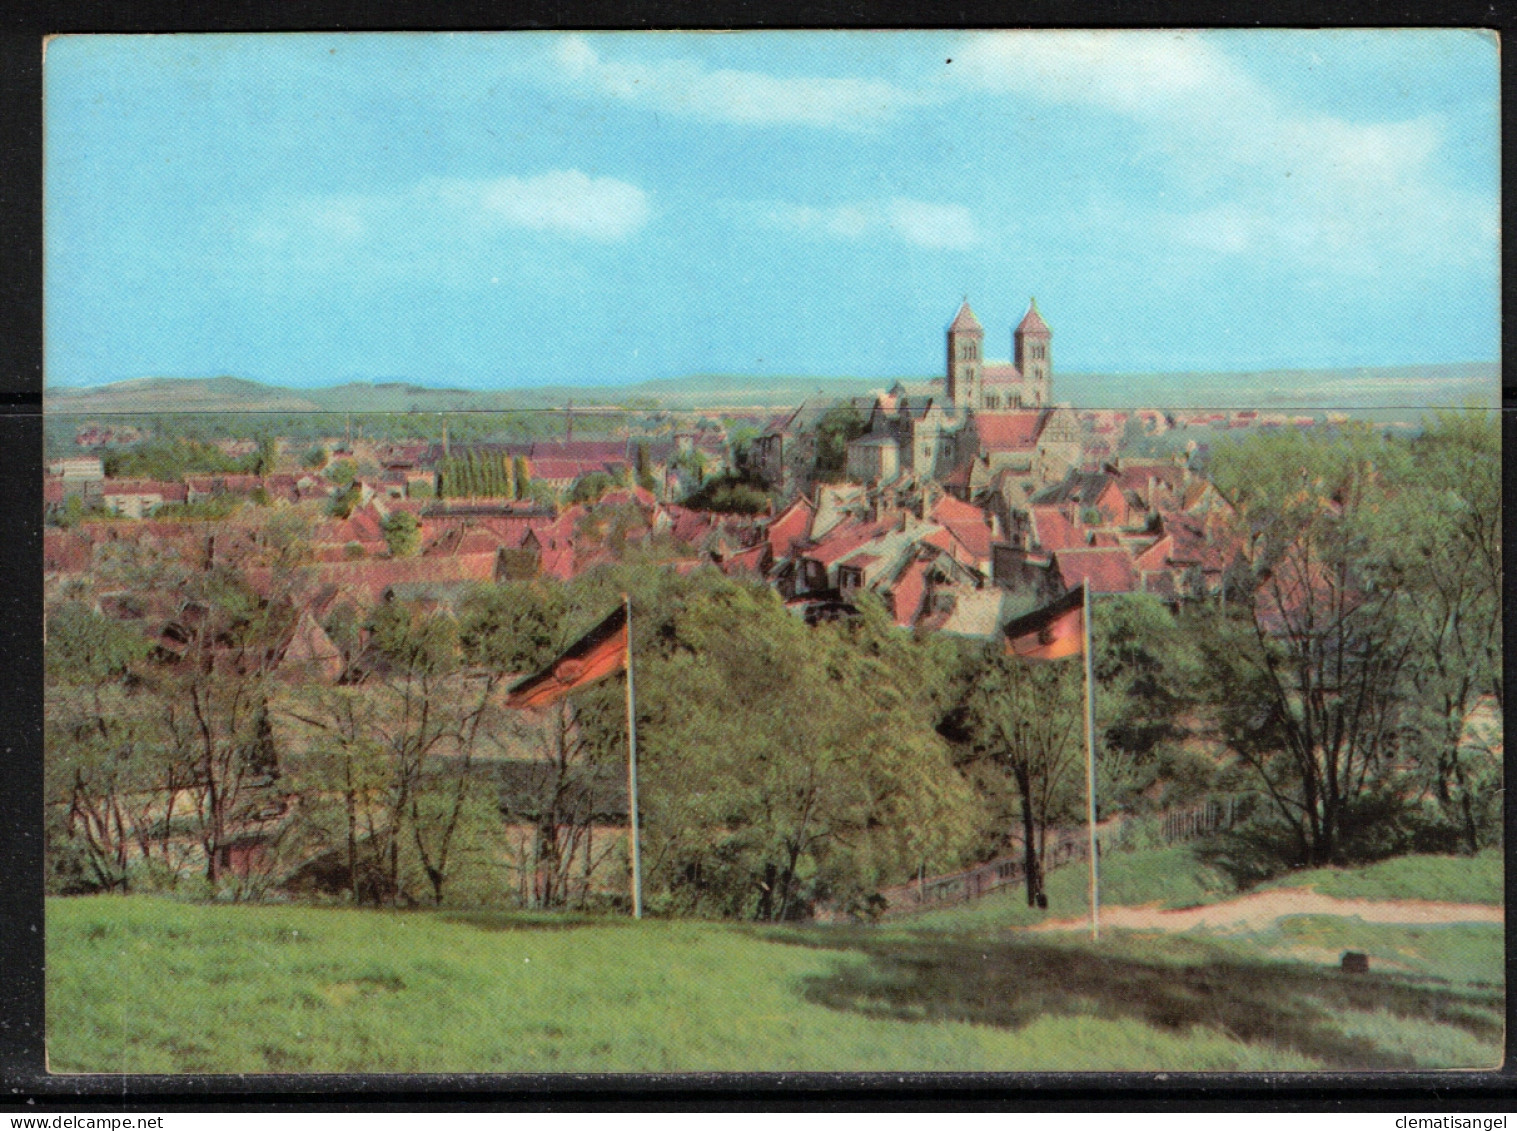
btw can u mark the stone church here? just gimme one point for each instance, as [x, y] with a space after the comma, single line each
[990, 424]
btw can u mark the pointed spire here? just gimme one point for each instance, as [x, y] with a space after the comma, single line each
[965, 319]
[1033, 322]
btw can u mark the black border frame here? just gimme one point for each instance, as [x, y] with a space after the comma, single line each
[24, 1081]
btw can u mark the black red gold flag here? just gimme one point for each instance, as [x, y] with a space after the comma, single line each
[600, 652]
[1054, 632]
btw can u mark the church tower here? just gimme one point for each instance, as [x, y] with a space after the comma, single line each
[1032, 354]
[966, 358]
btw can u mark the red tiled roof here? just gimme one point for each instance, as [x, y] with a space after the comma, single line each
[1135, 477]
[943, 539]
[749, 560]
[65, 552]
[790, 526]
[949, 510]
[1008, 431]
[907, 593]
[1104, 570]
[843, 540]
[588, 451]
[967, 524]
[1032, 322]
[1155, 556]
[560, 470]
[52, 491]
[169, 491]
[691, 525]
[1193, 543]
[965, 321]
[461, 540]
[557, 563]
[365, 525]
[369, 579]
[1052, 531]
[1000, 373]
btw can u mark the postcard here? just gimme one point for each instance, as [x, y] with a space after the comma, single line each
[807, 552]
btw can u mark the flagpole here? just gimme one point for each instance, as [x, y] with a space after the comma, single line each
[637, 863]
[1090, 772]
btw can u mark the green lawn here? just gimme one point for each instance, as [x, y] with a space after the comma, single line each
[1454, 879]
[1167, 876]
[1172, 877]
[150, 985]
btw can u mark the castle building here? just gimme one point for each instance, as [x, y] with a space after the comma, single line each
[988, 424]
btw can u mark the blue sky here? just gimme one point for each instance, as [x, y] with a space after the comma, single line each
[497, 210]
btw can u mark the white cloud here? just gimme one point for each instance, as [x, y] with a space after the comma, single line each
[563, 202]
[938, 227]
[686, 87]
[444, 229]
[948, 226]
[1269, 178]
[566, 201]
[844, 221]
[1139, 73]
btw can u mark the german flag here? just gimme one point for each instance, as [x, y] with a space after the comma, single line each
[600, 652]
[1052, 632]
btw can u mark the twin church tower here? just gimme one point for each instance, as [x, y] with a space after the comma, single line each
[998, 386]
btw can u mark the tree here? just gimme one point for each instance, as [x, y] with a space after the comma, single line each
[840, 424]
[72, 512]
[402, 750]
[402, 534]
[1025, 719]
[740, 438]
[265, 456]
[785, 766]
[346, 501]
[515, 628]
[213, 707]
[590, 487]
[343, 759]
[1147, 670]
[691, 463]
[1309, 673]
[644, 468]
[342, 472]
[1444, 530]
[729, 495]
[101, 763]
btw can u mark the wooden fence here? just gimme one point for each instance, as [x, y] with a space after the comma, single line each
[1065, 846]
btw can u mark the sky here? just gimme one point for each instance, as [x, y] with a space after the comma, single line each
[513, 209]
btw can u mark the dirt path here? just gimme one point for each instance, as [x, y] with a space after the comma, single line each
[1251, 912]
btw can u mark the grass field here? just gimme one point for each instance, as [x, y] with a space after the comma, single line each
[137, 984]
[1454, 879]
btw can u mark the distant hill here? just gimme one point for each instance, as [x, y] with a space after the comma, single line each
[179, 394]
[1365, 391]
[232, 394]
